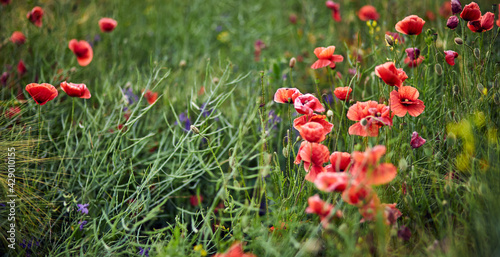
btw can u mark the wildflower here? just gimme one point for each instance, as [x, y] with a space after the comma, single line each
[416, 140]
[452, 22]
[450, 57]
[371, 116]
[82, 50]
[35, 16]
[314, 156]
[430, 15]
[368, 12]
[130, 96]
[183, 118]
[258, 46]
[292, 18]
[307, 104]
[5, 2]
[404, 233]
[406, 100]
[195, 200]
[292, 62]
[151, 96]
[83, 208]
[335, 10]
[445, 9]
[367, 170]
[41, 93]
[3, 79]
[12, 111]
[199, 248]
[358, 194]
[413, 58]
[312, 132]
[107, 24]
[236, 250]
[411, 25]
[321, 208]
[286, 95]
[82, 223]
[391, 213]
[389, 40]
[390, 74]
[75, 90]
[471, 12]
[332, 181]
[320, 119]
[21, 68]
[483, 24]
[342, 93]
[143, 251]
[326, 57]
[18, 38]
[456, 7]
[339, 162]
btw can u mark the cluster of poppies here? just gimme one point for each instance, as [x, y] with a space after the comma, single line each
[472, 15]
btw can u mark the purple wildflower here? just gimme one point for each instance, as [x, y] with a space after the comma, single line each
[416, 140]
[131, 97]
[143, 251]
[82, 223]
[273, 119]
[184, 119]
[83, 208]
[4, 78]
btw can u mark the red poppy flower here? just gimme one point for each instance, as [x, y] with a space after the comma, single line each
[456, 7]
[21, 68]
[307, 104]
[332, 181]
[368, 12]
[314, 156]
[41, 93]
[321, 208]
[75, 90]
[406, 100]
[452, 22]
[411, 25]
[195, 200]
[416, 140]
[236, 250]
[391, 213]
[335, 10]
[18, 38]
[430, 15]
[445, 9]
[390, 74]
[367, 170]
[12, 111]
[413, 58]
[339, 162]
[35, 16]
[450, 57]
[321, 119]
[342, 93]
[82, 50]
[313, 132]
[5, 2]
[483, 24]
[107, 24]
[471, 12]
[358, 194]
[286, 95]
[326, 57]
[371, 116]
[151, 96]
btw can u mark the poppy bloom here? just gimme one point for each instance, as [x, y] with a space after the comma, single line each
[107, 24]
[368, 12]
[471, 12]
[416, 140]
[82, 50]
[332, 181]
[12, 111]
[35, 16]
[413, 58]
[390, 74]
[321, 119]
[342, 93]
[371, 116]
[195, 200]
[430, 15]
[321, 208]
[335, 10]
[314, 156]
[411, 25]
[406, 100]
[151, 96]
[5, 2]
[286, 95]
[339, 162]
[21, 68]
[313, 132]
[236, 250]
[41, 93]
[3, 79]
[75, 90]
[445, 9]
[18, 38]
[367, 170]
[483, 24]
[326, 57]
[452, 22]
[307, 104]
[450, 57]
[358, 194]
[456, 6]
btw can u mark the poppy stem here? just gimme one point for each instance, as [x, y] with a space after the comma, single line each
[40, 128]
[72, 112]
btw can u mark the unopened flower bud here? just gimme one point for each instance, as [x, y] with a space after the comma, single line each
[389, 40]
[364, 122]
[195, 129]
[329, 113]
[215, 80]
[452, 22]
[285, 151]
[182, 63]
[458, 41]
[438, 69]
[477, 53]
[292, 62]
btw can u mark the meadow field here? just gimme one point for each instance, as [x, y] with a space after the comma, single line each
[249, 128]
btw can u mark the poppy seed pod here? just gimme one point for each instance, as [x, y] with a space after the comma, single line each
[195, 129]
[477, 53]
[438, 69]
[363, 122]
[292, 62]
[458, 41]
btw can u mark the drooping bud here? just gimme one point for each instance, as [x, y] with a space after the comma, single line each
[438, 69]
[292, 62]
[452, 22]
[329, 113]
[195, 129]
[477, 53]
[458, 41]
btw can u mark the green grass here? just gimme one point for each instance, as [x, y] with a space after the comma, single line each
[138, 180]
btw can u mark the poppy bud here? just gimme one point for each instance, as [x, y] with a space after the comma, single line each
[452, 22]
[456, 6]
[477, 53]
[389, 40]
[182, 63]
[285, 151]
[364, 122]
[195, 129]
[438, 69]
[292, 62]
[215, 80]
[458, 41]
[329, 113]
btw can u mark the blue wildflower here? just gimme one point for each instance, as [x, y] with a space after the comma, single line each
[82, 223]
[143, 251]
[184, 119]
[83, 208]
[131, 97]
